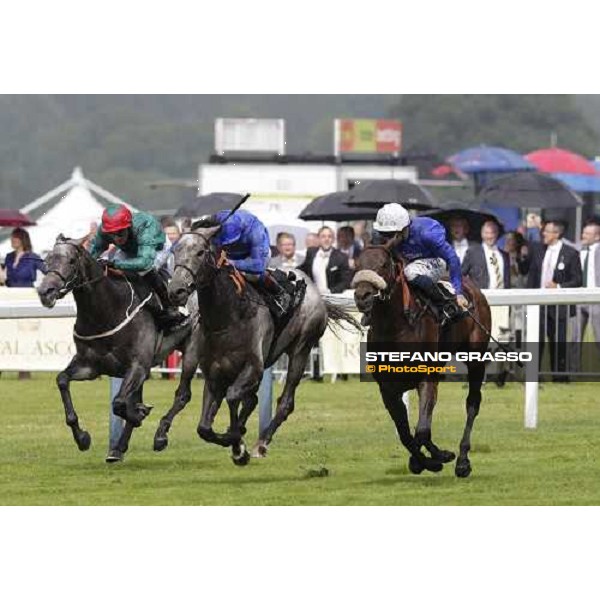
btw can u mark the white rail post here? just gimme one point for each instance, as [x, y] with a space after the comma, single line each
[532, 369]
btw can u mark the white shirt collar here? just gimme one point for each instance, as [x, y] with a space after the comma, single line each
[493, 248]
[556, 247]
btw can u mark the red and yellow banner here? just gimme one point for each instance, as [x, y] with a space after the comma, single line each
[369, 136]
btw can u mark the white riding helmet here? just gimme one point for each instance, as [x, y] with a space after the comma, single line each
[391, 217]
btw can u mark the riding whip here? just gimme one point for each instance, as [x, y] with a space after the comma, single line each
[236, 207]
[502, 346]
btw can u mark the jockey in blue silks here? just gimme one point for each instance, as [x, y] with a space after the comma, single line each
[246, 242]
[422, 243]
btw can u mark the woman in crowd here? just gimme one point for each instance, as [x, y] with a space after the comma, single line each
[21, 267]
[22, 264]
[516, 248]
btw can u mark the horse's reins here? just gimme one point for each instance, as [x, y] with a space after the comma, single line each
[67, 288]
[126, 321]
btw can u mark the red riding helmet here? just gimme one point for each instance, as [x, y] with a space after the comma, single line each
[116, 218]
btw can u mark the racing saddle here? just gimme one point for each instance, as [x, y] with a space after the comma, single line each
[283, 293]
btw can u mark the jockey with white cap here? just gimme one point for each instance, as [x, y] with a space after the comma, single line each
[422, 243]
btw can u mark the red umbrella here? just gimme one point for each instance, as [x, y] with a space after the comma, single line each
[557, 160]
[14, 218]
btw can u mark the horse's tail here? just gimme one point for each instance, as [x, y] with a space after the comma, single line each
[340, 315]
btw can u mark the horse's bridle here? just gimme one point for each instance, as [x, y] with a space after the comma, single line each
[71, 284]
[212, 264]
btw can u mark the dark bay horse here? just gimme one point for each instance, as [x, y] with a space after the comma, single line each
[241, 340]
[381, 290]
[114, 335]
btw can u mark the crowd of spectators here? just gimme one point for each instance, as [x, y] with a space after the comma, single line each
[329, 257]
[536, 255]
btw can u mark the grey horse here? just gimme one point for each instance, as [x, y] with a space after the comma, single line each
[241, 340]
[115, 334]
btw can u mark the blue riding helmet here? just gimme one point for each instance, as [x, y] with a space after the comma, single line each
[231, 230]
[246, 240]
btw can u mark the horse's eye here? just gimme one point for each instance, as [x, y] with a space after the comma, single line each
[72, 261]
[200, 253]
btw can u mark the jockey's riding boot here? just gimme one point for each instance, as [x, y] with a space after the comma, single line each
[295, 287]
[281, 298]
[169, 316]
[445, 302]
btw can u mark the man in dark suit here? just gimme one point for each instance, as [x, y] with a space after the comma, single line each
[590, 266]
[327, 266]
[555, 265]
[458, 230]
[485, 263]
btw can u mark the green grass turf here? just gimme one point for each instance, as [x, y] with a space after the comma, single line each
[342, 427]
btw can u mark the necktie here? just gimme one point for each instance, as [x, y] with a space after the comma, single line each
[548, 273]
[494, 261]
[586, 262]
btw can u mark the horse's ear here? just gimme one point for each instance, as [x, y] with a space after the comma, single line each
[60, 238]
[84, 239]
[211, 231]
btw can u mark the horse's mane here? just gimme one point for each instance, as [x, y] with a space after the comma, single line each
[77, 242]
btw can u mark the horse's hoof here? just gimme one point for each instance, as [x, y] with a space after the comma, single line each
[114, 456]
[143, 410]
[84, 441]
[415, 466]
[444, 456]
[463, 468]
[433, 465]
[160, 443]
[241, 460]
[259, 450]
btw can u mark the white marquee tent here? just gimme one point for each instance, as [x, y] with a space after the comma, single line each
[73, 206]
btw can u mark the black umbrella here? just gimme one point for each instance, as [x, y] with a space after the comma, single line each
[529, 190]
[333, 207]
[473, 215]
[209, 204]
[376, 193]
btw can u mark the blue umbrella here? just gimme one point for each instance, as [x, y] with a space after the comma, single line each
[579, 183]
[489, 159]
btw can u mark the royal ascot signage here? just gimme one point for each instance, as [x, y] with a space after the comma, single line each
[367, 136]
[33, 344]
[340, 349]
[36, 344]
